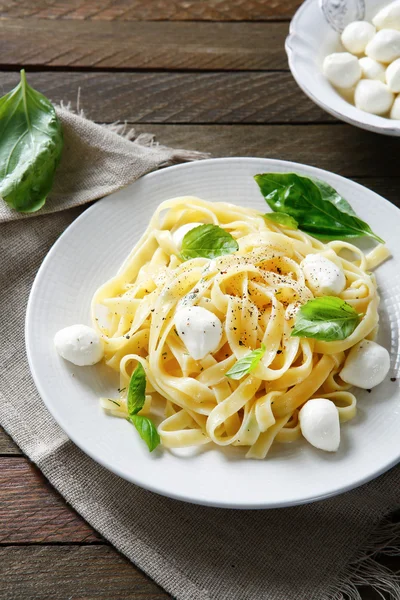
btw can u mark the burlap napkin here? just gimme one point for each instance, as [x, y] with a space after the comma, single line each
[321, 551]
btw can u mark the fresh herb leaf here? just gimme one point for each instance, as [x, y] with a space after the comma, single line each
[208, 241]
[318, 209]
[147, 430]
[136, 398]
[327, 319]
[283, 219]
[137, 390]
[246, 364]
[30, 147]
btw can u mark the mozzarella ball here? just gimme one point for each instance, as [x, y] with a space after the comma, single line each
[342, 69]
[373, 96]
[388, 17]
[179, 234]
[356, 36]
[366, 365]
[80, 345]
[395, 112]
[384, 46]
[319, 424]
[393, 76]
[324, 277]
[372, 69]
[199, 329]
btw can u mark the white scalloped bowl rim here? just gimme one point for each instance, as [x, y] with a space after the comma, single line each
[310, 39]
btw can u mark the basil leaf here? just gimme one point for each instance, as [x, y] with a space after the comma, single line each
[208, 241]
[327, 319]
[283, 219]
[315, 205]
[136, 398]
[147, 430]
[246, 364]
[30, 147]
[137, 390]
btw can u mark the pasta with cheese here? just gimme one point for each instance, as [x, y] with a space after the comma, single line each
[255, 293]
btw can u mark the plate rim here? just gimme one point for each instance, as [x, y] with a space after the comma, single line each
[115, 469]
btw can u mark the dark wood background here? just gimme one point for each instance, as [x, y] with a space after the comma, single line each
[210, 75]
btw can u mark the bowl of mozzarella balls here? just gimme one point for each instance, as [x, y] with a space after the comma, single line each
[345, 55]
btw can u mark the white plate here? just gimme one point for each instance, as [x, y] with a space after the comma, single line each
[315, 33]
[91, 250]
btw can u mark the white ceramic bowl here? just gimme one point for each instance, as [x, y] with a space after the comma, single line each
[81, 260]
[314, 33]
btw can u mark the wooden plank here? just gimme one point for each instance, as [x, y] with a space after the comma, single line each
[145, 45]
[168, 97]
[86, 572]
[32, 511]
[342, 149]
[7, 446]
[151, 10]
[61, 573]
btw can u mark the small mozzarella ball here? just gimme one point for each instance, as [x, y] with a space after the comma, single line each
[199, 329]
[384, 46]
[366, 366]
[342, 69]
[393, 76]
[373, 96]
[388, 17]
[372, 69]
[356, 36]
[79, 344]
[323, 276]
[179, 234]
[319, 424]
[395, 112]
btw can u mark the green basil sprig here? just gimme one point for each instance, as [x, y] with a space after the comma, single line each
[207, 241]
[326, 319]
[246, 364]
[283, 219]
[136, 399]
[30, 147]
[318, 209]
[147, 431]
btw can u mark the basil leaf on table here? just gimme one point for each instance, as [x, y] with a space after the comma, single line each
[207, 241]
[318, 209]
[326, 319]
[282, 219]
[246, 364]
[136, 398]
[147, 431]
[30, 147]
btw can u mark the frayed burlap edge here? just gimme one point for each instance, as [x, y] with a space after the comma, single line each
[366, 570]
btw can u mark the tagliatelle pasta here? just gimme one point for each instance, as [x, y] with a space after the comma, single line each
[255, 293]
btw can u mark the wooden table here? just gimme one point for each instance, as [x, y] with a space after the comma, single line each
[210, 75]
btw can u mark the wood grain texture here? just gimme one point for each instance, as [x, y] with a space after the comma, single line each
[342, 149]
[150, 10]
[82, 573]
[168, 97]
[7, 446]
[32, 511]
[145, 45]
[46, 572]
[66, 573]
